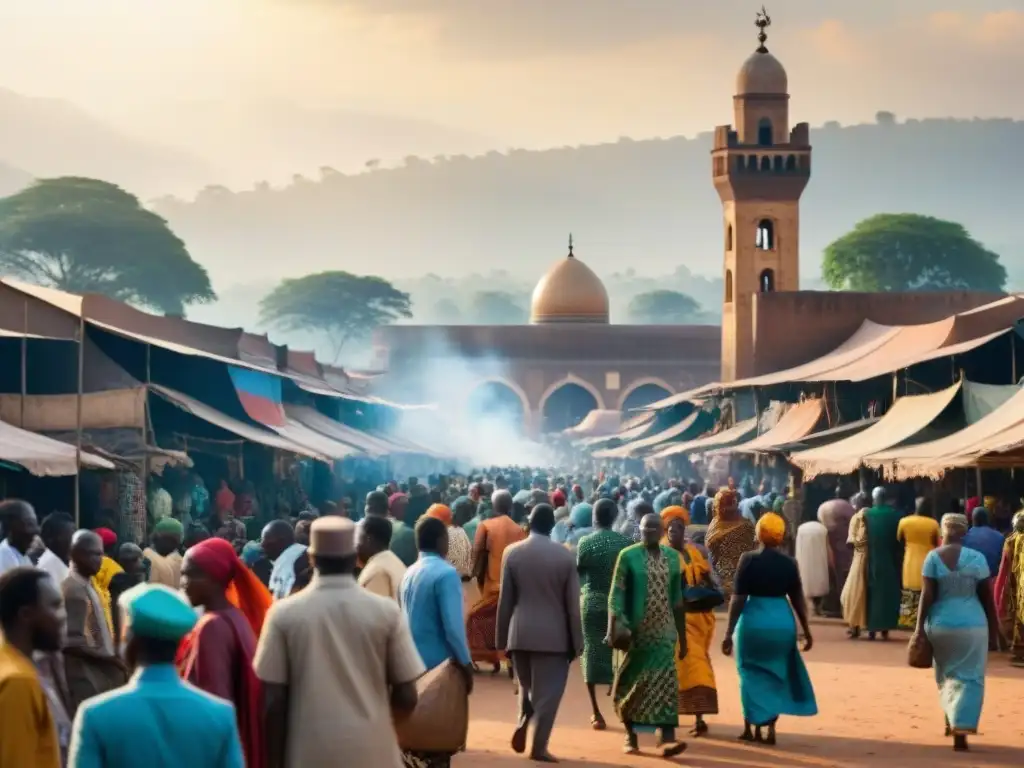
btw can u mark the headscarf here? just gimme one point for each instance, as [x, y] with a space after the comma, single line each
[582, 516]
[675, 512]
[558, 499]
[107, 536]
[954, 521]
[668, 498]
[726, 503]
[1018, 521]
[245, 591]
[169, 525]
[771, 529]
[440, 512]
[989, 503]
[251, 552]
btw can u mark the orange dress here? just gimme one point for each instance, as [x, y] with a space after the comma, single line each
[493, 536]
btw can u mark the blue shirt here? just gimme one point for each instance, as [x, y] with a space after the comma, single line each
[156, 720]
[956, 604]
[431, 596]
[989, 542]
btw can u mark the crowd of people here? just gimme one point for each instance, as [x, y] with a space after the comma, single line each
[293, 648]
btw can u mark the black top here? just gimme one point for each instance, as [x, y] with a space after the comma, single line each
[768, 573]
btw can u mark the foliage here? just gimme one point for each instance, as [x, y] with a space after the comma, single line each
[339, 305]
[88, 236]
[446, 312]
[664, 307]
[497, 308]
[909, 252]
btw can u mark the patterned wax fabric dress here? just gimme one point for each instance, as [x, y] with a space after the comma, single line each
[596, 554]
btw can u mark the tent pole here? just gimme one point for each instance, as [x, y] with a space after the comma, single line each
[24, 361]
[78, 418]
[145, 428]
[1013, 356]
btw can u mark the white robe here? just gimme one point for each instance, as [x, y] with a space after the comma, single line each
[812, 558]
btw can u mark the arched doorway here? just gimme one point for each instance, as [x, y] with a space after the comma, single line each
[495, 401]
[642, 396]
[566, 407]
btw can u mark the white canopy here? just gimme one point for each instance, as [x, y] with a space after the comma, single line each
[43, 456]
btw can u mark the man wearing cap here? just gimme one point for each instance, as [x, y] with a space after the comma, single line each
[362, 640]
[157, 720]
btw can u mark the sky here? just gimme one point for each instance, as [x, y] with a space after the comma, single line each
[522, 73]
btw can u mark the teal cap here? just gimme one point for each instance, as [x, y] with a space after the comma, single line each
[157, 612]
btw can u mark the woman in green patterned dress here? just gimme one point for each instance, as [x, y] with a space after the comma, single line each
[648, 617]
[596, 554]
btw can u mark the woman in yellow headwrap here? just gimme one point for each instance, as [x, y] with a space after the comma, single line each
[773, 678]
[729, 536]
[698, 694]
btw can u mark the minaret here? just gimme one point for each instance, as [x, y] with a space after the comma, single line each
[760, 168]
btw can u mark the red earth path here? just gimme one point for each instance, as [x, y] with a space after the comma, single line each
[873, 711]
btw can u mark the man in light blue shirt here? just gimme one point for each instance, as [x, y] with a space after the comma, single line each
[431, 596]
[156, 720]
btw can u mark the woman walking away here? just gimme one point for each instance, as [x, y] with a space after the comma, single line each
[920, 535]
[698, 695]
[958, 617]
[885, 558]
[854, 598]
[729, 536]
[596, 554]
[773, 679]
[648, 618]
[217, 654]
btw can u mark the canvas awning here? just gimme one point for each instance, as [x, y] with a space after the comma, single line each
[298, 433]
[229, 424]
[364, 442]
[796, 423]
[908, 416]
[631, 430]
[726, 437]
[827, 436]
[43, 456]
[634, 448]
[1000, 430]
[597, 423]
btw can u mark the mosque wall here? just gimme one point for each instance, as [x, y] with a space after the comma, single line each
[791, 328]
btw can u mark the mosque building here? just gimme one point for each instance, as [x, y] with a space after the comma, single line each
[571, 361]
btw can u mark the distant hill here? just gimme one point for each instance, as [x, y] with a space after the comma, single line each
[646, 205]
[55, 138]
[12, 179]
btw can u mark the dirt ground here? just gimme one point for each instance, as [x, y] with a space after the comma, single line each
[873, 711]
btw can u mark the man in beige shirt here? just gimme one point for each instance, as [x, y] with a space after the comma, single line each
[335, 661]
[382, 569]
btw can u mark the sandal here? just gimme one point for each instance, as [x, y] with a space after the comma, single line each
[597, 723]
[700, 728]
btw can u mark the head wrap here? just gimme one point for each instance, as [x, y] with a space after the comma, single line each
[217, 558]
[582, 515]
[577, 491]
[771, 529]
[970, 504]
[665, 499]
[954, 521]
[157, 612]
[521, 497]
[726, 502]
[1018, 521]
[440, 512]
[558, 499]
[396, 498]
[107, 536]
[989, 503]
[169, 525]
[675, 512]
[561, 513]
[251, 552]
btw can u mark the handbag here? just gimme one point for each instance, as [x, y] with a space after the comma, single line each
[919, 651]
[702, 598]
[440, 721]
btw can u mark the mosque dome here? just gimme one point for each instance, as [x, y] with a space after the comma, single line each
[569, 293]
[762, 75]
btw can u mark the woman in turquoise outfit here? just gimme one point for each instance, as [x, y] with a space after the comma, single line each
[581, 523]
[767, 592]
[958, 616]
[596, 554]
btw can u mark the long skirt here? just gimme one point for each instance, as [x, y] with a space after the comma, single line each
[960, 658]
[854, 597]
[698, 694]
[596, 661]
[773, 678]
[909, 600]
[646, 691]
[426, 760]
[482, 631]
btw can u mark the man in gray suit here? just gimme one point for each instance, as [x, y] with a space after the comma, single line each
[539, 625]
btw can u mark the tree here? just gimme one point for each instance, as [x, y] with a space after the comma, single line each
[909, 252]
[664, 307]
[497, 308]
[446, 312]
[88, 236]
[339, 305]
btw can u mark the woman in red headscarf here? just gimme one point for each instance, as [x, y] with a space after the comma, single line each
[217, 654]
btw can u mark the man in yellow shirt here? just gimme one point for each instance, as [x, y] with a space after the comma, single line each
[31, 616]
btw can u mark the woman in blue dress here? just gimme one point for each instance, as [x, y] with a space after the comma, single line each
[957, 614]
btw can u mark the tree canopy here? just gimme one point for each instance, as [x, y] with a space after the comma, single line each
[338, 305]
[664, 307]
[87, 236]
[497, 308]
[910, 252]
